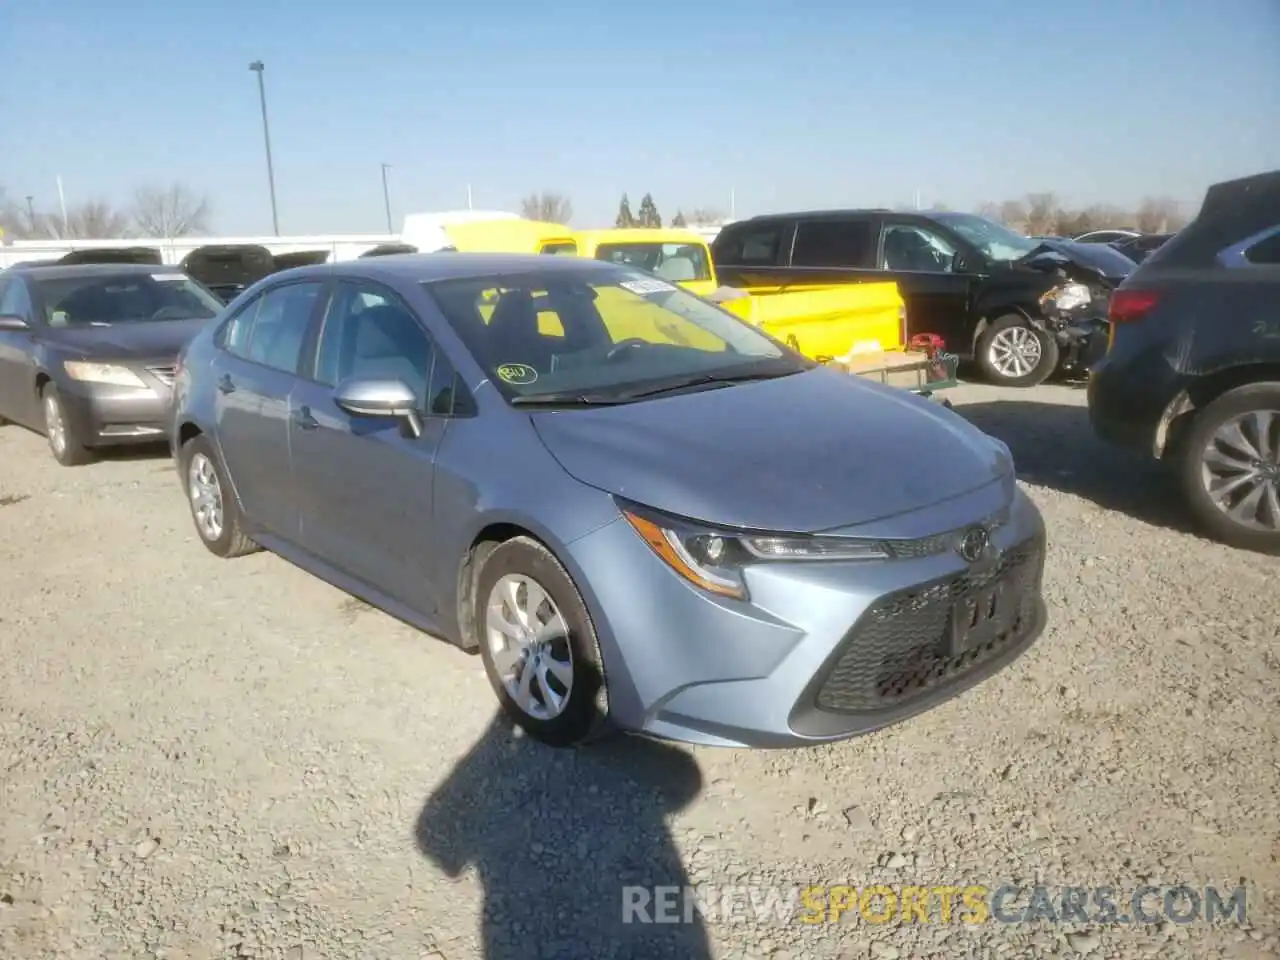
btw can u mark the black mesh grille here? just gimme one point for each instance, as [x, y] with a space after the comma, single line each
[901, 648]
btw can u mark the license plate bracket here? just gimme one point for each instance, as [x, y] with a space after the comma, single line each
[982, 616]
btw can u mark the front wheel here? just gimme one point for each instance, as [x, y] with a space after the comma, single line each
[64, 439]
[1013, 353]
[213, 504]
[539, 645]
[1229, 465]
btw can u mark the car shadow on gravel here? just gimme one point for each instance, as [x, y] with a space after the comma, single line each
[1054, 446]
[556, 835]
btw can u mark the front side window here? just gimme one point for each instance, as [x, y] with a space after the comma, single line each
[272, 328]
[833, 243]
[104, 300]
[370, 334]
[614, 333]
[677, 262]
[910, 247]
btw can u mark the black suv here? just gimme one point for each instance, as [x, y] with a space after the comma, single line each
[1192, 374]
[1020, 307]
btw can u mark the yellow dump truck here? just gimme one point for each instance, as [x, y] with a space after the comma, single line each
[859, 327]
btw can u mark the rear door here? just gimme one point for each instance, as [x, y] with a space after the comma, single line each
[364, 485]
[923, 261]
[262, 347]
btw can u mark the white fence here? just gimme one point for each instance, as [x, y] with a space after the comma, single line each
[422, 230]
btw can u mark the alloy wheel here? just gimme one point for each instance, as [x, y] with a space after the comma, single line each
[1240, 469]
[1015, 351]
[55, 427]
[529, 643]
[206, 497]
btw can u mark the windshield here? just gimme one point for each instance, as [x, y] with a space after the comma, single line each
[996, 241]
[594, 335]
[677, 262]
[103, 300]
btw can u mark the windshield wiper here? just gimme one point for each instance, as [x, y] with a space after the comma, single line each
[566, 399]
[710, 380]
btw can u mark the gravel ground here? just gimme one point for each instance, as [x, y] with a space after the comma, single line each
[208, 759]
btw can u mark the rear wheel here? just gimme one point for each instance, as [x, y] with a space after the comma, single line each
[213, 506]
[539, 645]
[1230, 467]
[64, 441]
[1013, 353]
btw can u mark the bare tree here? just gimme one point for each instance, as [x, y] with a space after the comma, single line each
[1042, 214]
[1159, 215]
[705, 217]
[91, 220]
[172, 211]
[547, 206]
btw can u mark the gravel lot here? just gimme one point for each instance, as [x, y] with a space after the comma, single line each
[203, 759]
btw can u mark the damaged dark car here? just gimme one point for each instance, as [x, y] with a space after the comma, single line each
[1021, 308]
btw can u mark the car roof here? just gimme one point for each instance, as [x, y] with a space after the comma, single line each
[38, 271]
[822, 214]
[430, 267]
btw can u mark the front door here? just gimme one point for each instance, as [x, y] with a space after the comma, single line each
[936, 291]
[254, 373]
[18, 401]
[364, 485]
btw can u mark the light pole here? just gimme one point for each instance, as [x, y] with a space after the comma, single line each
[31, 210]
[258, 67]
[386, 196]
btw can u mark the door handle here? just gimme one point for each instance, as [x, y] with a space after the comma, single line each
[226, 384]
[303, 418]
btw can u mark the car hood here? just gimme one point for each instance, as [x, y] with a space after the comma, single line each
[144, 340]
[808, 452]
[1086, 262]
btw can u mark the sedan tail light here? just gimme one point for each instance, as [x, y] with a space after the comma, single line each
[1130, 306]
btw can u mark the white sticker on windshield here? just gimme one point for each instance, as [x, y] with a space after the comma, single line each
[168, 276]
[646, 287]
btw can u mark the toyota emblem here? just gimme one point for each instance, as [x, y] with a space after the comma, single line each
[973, 544]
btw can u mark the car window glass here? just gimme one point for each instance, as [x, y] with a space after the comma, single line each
[833, 243]
[676, 262]
[909, 247]
[1263, 252]
[563, 248]
[279, 326]
[370, 334]
[754, 246]
[15, 301]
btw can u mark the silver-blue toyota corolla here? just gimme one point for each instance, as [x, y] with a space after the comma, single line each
[641, 511]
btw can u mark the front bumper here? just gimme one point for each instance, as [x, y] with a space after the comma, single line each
[105, 415]
[809, 658]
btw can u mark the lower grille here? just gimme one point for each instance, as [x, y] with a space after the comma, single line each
[164, 374]
[901, 649]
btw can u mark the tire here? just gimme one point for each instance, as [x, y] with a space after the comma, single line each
[1200, 440]
[65, 443]
[582, 711]
[1007, 333]
[214, 510]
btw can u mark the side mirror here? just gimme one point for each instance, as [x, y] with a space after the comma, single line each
[389, 399]
[11, 322]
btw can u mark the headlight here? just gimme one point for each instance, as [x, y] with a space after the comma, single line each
[1067, 296]
[102, 373]
[714, 559]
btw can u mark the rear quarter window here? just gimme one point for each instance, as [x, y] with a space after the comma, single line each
[750, 245]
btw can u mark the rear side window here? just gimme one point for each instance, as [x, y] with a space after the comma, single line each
[1265, 252]
[14, 300]
[272, 328]
[833, 243]
[565, 248]
[751, 245]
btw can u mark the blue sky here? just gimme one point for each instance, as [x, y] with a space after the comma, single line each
[799, 104]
